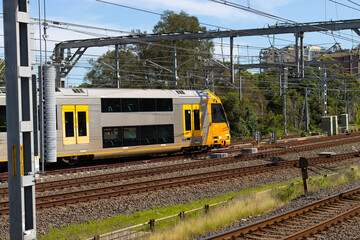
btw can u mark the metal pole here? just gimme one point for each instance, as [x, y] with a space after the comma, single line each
[307, 119]
[284, 110]
[205, 80]
[41, 117]
[232, 71]
[301, 35]
[286, 74]
[117, 65]
[324, 90]
[297, 54]
[175, 63]
[240, 86]
[347, 107]
[280, 83]
[19, 112]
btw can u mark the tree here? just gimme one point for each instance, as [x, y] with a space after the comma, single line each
[103, 73]
[191, 54]
[151, 64]
[240, 114]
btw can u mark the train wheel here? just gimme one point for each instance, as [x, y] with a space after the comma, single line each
[70, 160]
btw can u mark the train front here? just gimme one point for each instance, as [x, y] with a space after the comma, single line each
[219, 130]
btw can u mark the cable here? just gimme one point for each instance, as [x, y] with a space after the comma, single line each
[354, 3]
[147, 11]
[342, 4]
[224, 2]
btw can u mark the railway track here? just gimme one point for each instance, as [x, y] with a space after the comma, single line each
[111, 164]
[307, 221]
[118, 190]
[141, 173]
[300, 146]
[246, 141]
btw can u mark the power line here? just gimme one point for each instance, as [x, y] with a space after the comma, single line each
[354, 3]
[235, 5]
[151, 12]
[342, 4]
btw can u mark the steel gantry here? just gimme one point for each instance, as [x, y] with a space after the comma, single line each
[19, 112]
[64, 65]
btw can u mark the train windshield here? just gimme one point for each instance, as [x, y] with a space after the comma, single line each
[217, 112]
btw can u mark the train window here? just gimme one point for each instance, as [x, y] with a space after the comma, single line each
[165, 133]
[187, 120]
[110, 105]
[217, 112]
[69, 124]
[131, 136]
[130, 104]
[148, 135]
[196, 119]
[82, 124]
[164, 104]
[112, 137]
[2, 118]
[147, 105]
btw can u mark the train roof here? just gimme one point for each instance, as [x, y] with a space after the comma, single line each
[132, 93]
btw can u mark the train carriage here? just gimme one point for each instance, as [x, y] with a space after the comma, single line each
[99, 123]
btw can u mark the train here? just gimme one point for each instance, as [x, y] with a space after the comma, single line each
[105, 123]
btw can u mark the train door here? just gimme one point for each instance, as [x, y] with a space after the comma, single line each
[192, 120]
[75, 120]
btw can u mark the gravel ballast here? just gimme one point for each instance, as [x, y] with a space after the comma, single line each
[102, 209]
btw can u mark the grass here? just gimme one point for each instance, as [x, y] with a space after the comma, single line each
[247, 202]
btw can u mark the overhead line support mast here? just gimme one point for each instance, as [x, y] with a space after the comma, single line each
[19, 112]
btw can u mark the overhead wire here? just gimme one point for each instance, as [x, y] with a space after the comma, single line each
[158, 14]
[258, 12]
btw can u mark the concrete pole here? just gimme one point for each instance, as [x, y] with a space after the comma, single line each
[19, 112]
[117, 66]
[175, 63]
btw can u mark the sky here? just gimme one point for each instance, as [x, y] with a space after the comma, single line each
[108, 17]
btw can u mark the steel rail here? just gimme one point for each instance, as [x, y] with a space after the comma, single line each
[322, 226]
[161, 184]
[3, 176]
[263, 224]
[75, 182]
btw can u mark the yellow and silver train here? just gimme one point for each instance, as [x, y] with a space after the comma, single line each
[100, 123]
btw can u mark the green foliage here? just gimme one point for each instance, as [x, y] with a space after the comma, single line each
[150, 65]
[285, 194]
[103, 73]
[241, 116]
